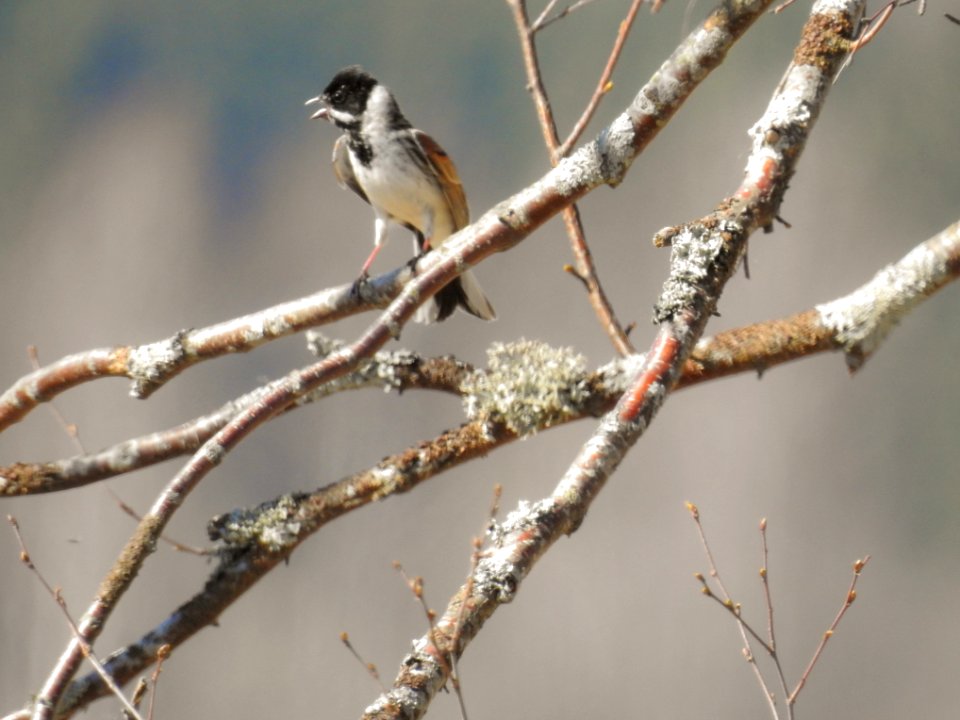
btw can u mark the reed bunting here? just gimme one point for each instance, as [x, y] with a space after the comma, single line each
[406, 177]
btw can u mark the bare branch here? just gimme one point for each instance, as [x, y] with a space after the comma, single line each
[548, 8]
[370, 667]
[150, 366]
[543, 21]
[400, 370]
[604, 85]
[726, 601]
[847, 602]
[586, 269]
[57, 597]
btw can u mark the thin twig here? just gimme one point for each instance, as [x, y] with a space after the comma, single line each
[571, 214]
[771, 638]
[370, 667]
[72, 431]
[541, 22]
[782, 6]
[587, 271]
[435, 646]
[870, 28]
[847, 602]
[770, 644]
[137, 698]
[538, 23]
[162, 654]
[62, 604]
[734, 609]
[768, 600]
[531, 62]
[604, 85]
[69, 429]
[474, 563]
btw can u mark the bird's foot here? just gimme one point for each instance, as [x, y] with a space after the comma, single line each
[359, 285]
[412, 262]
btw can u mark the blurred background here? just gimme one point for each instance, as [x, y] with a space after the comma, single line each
[158, 171]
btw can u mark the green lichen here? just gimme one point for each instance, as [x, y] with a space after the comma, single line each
[274, 525]
[527, 385]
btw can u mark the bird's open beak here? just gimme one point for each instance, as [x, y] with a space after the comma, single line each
[323, 112]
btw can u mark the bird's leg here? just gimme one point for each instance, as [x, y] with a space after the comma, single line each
[379, 240]
[364, 271]
[364, 277]
[421, 247]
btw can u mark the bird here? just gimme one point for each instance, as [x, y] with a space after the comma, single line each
[404, 175]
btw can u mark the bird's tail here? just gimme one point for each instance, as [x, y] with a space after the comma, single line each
[464, 292]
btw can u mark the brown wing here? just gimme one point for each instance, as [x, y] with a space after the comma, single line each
[446, 173]
[344, 170]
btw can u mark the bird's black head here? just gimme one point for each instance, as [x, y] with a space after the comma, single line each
[345, 98]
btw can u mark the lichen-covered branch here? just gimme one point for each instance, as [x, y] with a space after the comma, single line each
[705, 255]
[151, 365]
[605, 161]
[258, 540]
[860, 321]
[855, 323]
[399, 370]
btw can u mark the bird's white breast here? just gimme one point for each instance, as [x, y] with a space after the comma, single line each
[396, 184]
